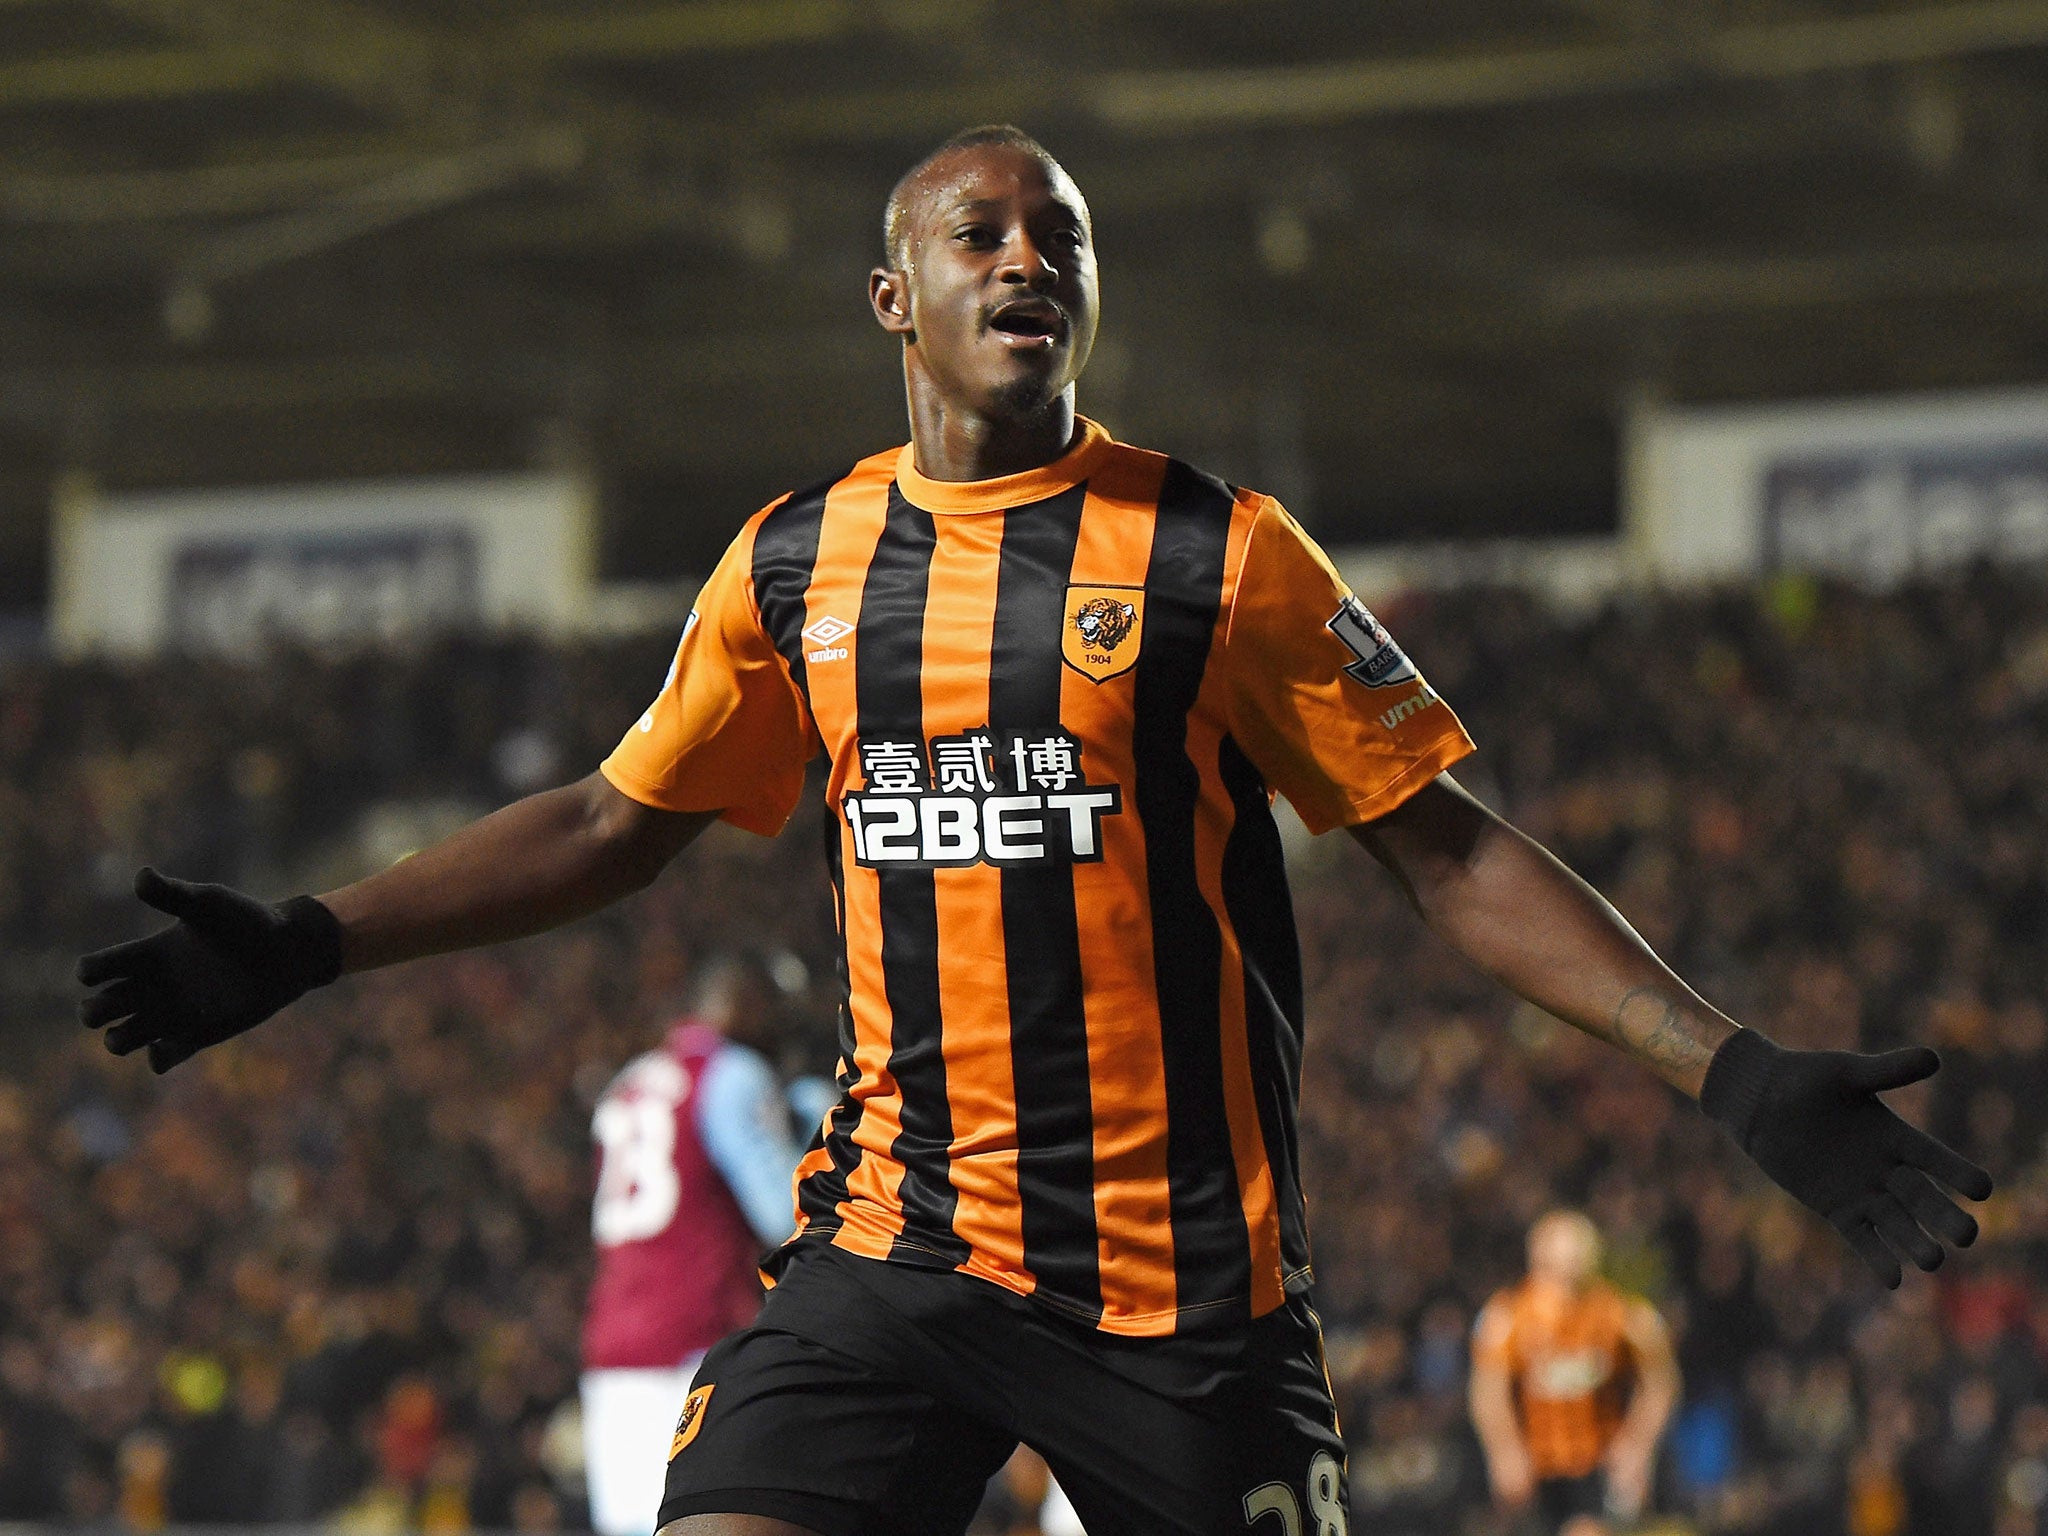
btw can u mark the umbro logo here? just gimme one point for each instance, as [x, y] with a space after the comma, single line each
[825, 635]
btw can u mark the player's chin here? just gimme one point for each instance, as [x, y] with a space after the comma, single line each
[1025, 392]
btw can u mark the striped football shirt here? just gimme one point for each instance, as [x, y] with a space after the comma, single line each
[1054, 709]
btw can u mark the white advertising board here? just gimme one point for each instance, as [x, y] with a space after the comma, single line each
[381, 560]
[1871, 490]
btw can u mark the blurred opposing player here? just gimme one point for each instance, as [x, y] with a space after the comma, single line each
[1057, 680]
[1573, 1382]
[694, 1159]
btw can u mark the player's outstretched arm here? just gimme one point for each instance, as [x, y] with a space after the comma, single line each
[1510, 906]
[1811, 1119]
[534, 865]
[230, 961]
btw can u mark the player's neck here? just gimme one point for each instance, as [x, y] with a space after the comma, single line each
[1557, 1291]
[952, 442]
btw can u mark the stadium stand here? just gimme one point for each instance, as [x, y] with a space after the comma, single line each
[334, 1271]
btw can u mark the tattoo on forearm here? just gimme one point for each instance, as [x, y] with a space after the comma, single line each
[1651, 1022]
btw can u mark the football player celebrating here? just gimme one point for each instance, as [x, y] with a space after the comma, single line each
[1057, 681]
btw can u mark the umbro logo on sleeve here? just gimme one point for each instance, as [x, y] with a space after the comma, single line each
[825, 636]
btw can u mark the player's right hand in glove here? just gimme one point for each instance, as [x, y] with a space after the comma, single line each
[1813, 1121]
[228, 964]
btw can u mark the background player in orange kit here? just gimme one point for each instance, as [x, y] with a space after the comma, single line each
[1573, 1382]
[1057, 681]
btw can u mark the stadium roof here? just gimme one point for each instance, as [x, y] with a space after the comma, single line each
[1403, 261]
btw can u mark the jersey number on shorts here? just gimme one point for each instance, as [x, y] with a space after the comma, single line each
[1325, 1506]
[637, 1189]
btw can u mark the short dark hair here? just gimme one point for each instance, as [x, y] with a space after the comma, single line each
[897, 210]
[716, 977]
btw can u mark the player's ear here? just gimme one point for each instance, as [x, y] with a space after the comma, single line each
[889, 293]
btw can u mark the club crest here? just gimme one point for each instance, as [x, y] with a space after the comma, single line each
[1102, 631]
[691, 1421]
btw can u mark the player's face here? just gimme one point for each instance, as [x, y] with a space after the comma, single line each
[1564, 1250]
[998, 297]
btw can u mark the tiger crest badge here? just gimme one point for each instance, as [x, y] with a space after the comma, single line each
[691, 1421]
[1103, 629]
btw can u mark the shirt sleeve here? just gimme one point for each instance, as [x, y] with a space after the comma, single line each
[742, 1121]
[728, 732]
[809, 1099]
[1323, 701]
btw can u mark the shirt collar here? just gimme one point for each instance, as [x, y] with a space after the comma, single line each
[1091, 442]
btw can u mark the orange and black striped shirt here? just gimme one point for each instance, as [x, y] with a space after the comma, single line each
[1571, 1361]
[1054, 709]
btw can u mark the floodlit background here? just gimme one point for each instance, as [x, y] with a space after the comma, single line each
[375, 379]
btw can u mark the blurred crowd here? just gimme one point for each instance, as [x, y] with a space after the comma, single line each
[333, 1272]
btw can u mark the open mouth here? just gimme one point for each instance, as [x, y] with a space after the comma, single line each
[1029, 324]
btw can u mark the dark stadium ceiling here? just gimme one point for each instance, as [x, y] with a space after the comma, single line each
[1403, 260]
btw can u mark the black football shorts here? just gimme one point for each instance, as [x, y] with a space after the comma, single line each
[1561, 1500]
[874, 1399]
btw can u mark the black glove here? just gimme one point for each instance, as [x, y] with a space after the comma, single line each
[1813, 1121]
[229, 963]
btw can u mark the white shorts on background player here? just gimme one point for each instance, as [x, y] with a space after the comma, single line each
[629, 1415]
[1057, 1517]
[629, 1418]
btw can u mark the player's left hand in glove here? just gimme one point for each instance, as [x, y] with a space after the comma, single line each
[228, 964]
[1813, 1121]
